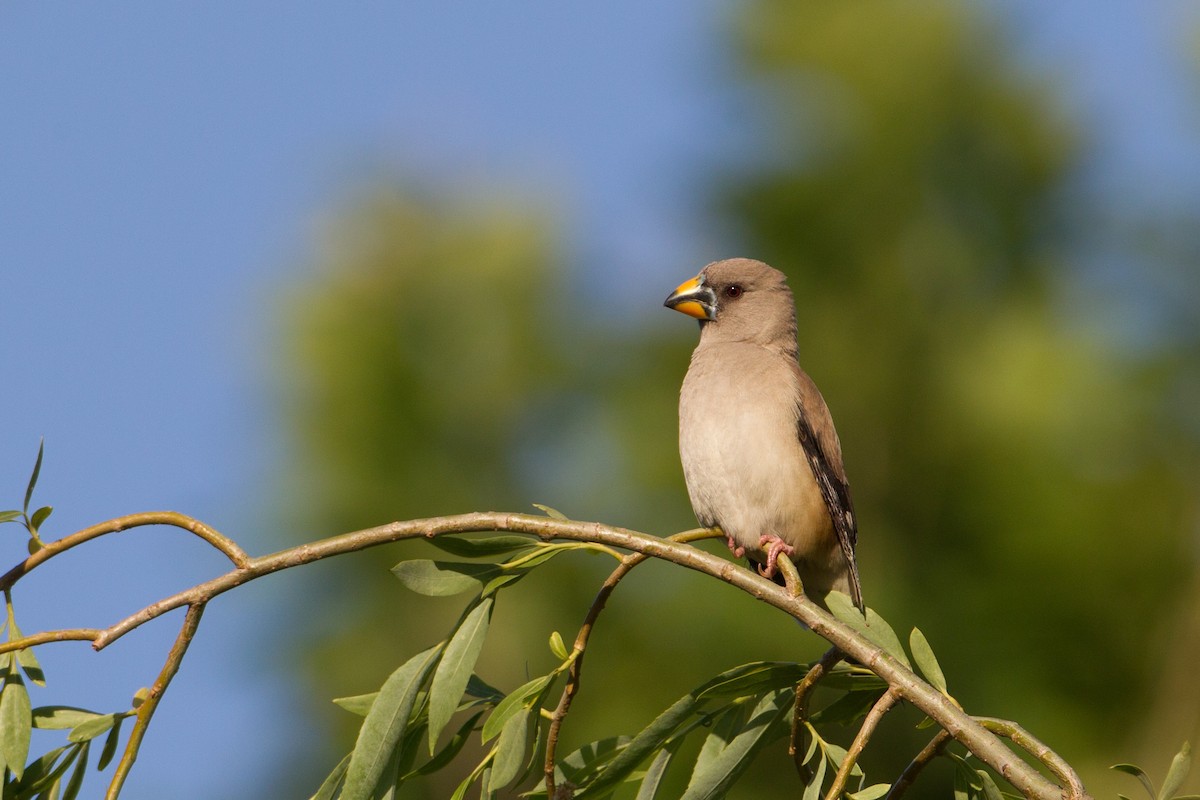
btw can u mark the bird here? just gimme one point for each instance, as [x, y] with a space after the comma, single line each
[761, 458]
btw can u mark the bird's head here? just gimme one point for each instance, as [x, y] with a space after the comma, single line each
[739, 299]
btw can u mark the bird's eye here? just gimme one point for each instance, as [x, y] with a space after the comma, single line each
[733, 291]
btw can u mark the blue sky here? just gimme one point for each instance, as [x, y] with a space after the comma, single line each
[165, 170]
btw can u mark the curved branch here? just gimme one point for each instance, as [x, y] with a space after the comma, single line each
[49, 550]
[804, 691]
[983, 743]
[1026, 741]
[64, 635]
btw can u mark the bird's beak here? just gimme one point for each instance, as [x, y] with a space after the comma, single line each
[694, 299]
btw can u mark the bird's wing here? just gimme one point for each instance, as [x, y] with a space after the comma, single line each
[819, 439]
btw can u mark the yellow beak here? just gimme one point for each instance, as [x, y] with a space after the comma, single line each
[694, 299]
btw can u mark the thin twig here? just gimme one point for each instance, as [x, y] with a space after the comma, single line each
[574, 675]
[983, 743]
[146, 710]
[174, 519]
[64, 635]
[1027, 742]
[804, 691]
[929, 752]
[882, 706]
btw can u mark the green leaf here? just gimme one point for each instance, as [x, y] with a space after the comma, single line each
[444, 578]
[551, 512]
[847, 708]
[16, 723]
[359, 704]
[651, 738]
[25, 657]
[873, 792]
[581, 764]
[520, 697]
[557, 646]
[455, 668]
[990, 790]
[76, 781]
[478, 687]
[9, 516]
[753, 678]
[110, 745]
[40, 516]
[713, 779]
[1139, 773]
[1177, 773]
[511, 749]
[871, 626]
[329, 786]
[57, 718]
[926, 661]
[385, 724]
[33, 479]
[813, 790]
[90, 729]
[452, 748]
[648, 788]
[488, 546]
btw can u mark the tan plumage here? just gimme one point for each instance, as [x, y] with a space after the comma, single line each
[760, 454]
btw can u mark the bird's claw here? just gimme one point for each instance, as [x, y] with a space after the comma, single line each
[774, 546]
[735, 548]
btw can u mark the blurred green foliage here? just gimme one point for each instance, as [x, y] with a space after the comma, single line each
[1025, 488]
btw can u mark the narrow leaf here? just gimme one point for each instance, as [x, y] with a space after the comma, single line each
[455, 669]
[385, 724]
[75, 783]
[926, 661]
[1139, 773]
[511, 749]
[550, 512]
[329, 786]
[767, 718]
[651, 738]
[25, 657]
[847, 708]
[478, 687]
[16, 722]
[990, 790]
[443, 578]
[90, 729]
[33, 479]
[359, 704]
[581, 764]
[110, 745]
[1177, 773]
[9, 516]
[478, 548]
[813, 790]
[452, 748]
[753, 678]
[520, 697]
[648, 788]
[873, 792]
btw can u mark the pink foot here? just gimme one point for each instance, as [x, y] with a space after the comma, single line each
[735, 548]
[774, 546]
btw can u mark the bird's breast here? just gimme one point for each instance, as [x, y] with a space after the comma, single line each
[744, 466]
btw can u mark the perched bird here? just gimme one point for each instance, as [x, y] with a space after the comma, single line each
[760, 454]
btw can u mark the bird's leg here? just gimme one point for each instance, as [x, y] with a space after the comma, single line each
[735, 548]
[773, 546]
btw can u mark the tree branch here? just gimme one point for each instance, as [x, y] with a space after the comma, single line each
[928, 753]
[983, 743]
[882, 706]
